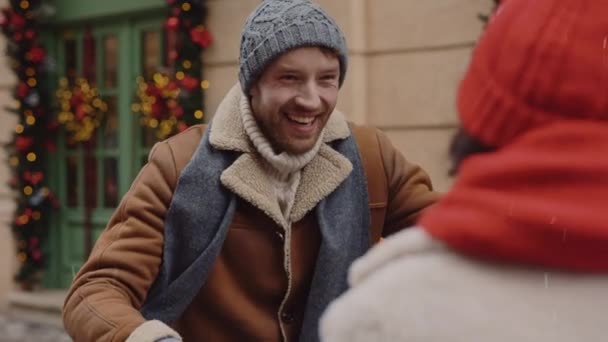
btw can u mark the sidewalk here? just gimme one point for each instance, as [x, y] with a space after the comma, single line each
[16, 330]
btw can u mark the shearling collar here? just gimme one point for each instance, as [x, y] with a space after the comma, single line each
[246, 177]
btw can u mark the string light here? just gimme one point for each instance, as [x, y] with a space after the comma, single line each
[180, 75]
[22, 257]
[28, 190]
[14, 161]
[22, 220]
[205, 84]
[31, 157]
[24, 4]
[186, 7]
[187, 64]
[32, 82]
[30, 72]
[30, 120]
[19, 129]
[198, 114]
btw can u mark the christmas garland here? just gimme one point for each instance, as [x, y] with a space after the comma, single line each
[169, 102]
[20, 24]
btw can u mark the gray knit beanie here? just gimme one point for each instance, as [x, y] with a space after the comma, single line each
[277, 26]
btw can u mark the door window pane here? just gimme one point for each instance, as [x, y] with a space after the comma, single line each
[110, 128]
[151, 52]
[149, 137]
[89, 56]
[90, 175]
[110, 56]
[72, 181]
[71, 67]
[110, 182]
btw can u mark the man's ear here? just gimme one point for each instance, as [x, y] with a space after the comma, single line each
[253, 90]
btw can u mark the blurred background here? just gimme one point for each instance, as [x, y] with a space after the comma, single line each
[87, 87]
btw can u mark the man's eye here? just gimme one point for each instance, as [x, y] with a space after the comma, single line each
[288, 78]
[329, 77]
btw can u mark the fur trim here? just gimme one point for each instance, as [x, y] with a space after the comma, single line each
[152, 331]
[319, 179]
[248, 178]
[336, 127]
[227, 131]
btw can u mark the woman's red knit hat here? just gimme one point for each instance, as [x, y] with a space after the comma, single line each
[538, 61]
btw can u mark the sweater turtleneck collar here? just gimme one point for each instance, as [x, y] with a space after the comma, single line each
[284, 164]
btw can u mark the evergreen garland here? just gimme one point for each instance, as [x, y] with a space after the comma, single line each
[21, 23]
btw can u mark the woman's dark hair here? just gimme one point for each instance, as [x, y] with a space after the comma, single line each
[486, 17]
[464, 145]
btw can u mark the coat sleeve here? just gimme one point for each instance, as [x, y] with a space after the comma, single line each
[104, 299]
[409, 188]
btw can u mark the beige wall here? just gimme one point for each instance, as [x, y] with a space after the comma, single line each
[406, 58]
[8, 121]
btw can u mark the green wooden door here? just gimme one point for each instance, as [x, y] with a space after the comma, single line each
[111, 53]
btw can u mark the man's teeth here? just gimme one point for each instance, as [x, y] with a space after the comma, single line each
[301, 119]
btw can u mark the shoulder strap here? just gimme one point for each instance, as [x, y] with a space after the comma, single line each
[377, 186]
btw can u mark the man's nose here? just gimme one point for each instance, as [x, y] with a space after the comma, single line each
[308, 97]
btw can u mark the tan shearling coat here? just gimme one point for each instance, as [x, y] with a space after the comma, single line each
[248, 295]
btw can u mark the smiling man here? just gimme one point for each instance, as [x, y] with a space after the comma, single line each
[244, 229]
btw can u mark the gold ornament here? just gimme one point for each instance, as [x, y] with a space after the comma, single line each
[82, 109]
[158, 106]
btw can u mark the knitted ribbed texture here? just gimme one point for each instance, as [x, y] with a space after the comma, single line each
[283, 168]
[537, 62]
[277, 26]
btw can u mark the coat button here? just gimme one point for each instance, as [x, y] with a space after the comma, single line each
[287, 317]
